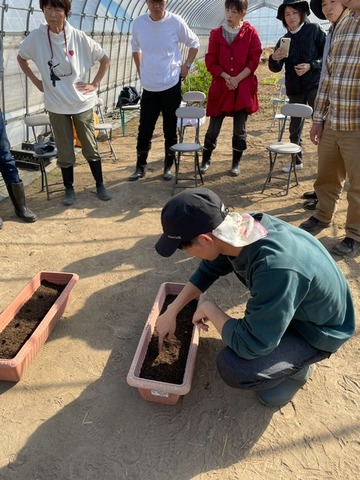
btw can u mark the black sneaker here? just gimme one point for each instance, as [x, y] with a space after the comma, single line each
[313, 224]
[347, 246]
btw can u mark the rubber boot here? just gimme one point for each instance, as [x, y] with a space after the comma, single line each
[206, 160]
[168, 163]
[68, 180]
[140, 166]
[284, 392]
[1, 223]
[17, 196]
[235, 169]
[96, 171]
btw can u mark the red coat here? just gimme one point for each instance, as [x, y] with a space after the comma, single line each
[244, 51]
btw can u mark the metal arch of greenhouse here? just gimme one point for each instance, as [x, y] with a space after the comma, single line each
[109, 22]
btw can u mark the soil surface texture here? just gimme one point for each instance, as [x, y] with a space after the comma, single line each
[74, 417]
[169, 364]
[16, 333]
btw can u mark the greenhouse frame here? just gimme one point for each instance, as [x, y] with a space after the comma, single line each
[109, 22]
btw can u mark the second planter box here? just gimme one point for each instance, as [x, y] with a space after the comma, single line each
[158, 391]
[12, 369]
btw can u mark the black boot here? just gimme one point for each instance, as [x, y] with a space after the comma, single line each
[1, 223]
[235, 169]
[96, 171]
[68, 180]
[140, 167]
[168, 163]
[206, 160]
[17, 196]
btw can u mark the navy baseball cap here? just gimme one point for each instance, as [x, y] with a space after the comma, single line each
[187, 215]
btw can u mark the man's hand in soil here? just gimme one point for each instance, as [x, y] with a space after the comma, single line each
[166, 323]
[209, 311]
[166, 326]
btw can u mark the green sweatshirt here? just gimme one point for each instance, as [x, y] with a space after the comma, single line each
[292, 280]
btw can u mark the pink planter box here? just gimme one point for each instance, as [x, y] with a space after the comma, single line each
[151, 390]
[13, 369]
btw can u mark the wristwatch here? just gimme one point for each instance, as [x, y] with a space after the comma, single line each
[188, 65]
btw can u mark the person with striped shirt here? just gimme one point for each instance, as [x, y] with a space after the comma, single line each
[336, 131]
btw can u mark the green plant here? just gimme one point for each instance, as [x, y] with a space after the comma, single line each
[198, 79]
[272, 80]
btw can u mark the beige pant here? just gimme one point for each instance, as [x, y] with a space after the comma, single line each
[64, 136]
[339, 153]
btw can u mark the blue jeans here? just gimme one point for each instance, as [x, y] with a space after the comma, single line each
[291, 355]
[8, 166]
[152, 104]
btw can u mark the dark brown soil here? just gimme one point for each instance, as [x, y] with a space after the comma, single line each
[169, 365]
[16, 333]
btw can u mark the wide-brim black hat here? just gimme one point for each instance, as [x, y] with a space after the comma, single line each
[315, 6]
[292, 3]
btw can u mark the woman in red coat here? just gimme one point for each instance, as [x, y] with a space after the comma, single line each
[232, 58]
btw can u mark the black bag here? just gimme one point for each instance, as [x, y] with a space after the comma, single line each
[128, 96]
[46, 149]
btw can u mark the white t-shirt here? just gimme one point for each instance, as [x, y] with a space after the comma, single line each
[72, 54]
[159, 42]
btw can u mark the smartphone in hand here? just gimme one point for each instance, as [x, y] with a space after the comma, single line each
[285, 45]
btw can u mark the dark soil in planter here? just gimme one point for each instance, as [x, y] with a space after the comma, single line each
[21, 327]
[169, 365]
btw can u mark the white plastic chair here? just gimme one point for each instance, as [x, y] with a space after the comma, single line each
[188, 148]
[39, 120]
[278, 116]
[277, 102]
[104, 127]
[192, 98]
[287, 148]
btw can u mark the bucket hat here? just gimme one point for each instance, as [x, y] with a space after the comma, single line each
[286, 3]
[315, 6]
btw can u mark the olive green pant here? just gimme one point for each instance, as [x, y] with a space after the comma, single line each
[63, 125]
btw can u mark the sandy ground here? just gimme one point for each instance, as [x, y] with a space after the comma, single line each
[73, 416]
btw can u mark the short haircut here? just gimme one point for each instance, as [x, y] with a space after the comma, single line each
[300, 8]
[64, 4]
[240, 5]
[187, 244]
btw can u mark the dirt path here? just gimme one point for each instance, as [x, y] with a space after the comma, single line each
[73, 416]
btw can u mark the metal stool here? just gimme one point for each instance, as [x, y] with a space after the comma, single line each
[123, 110]
[183, 148]
[41, 158]
[105, 127]
[287, 148]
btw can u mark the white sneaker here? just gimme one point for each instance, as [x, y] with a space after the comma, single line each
[298, 166]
